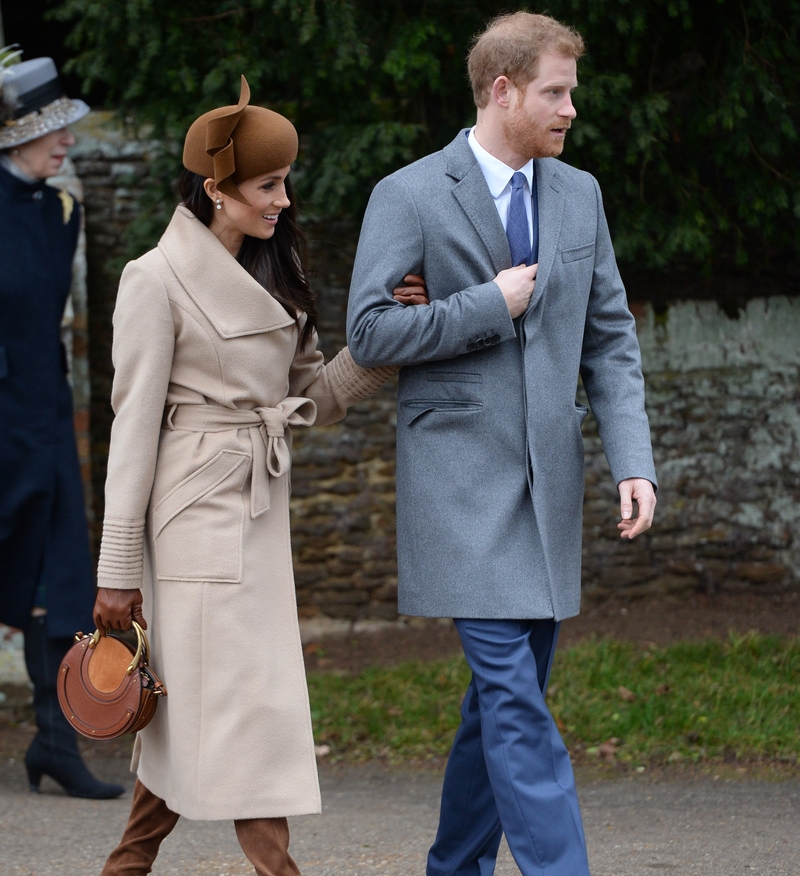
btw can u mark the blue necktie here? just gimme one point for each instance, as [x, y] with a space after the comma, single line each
[517, 231]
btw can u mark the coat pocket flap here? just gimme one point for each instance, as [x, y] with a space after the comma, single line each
[197, 484]
[453, 377]
[577, 253]
[413, 410]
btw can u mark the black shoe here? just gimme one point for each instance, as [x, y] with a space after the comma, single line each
[54, 750]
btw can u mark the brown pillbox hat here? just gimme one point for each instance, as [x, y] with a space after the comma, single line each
[234, 143]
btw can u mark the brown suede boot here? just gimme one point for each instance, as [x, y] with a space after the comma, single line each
[149, 822]
[265, 841]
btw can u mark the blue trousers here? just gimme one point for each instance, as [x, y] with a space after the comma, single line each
[509, 771]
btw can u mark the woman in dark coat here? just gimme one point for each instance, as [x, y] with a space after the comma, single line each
[46, 576]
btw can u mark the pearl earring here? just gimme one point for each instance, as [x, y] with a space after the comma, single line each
[219, 204]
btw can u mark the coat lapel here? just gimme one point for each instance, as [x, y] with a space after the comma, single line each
[476, 200]
[232, 301]
[550, 195]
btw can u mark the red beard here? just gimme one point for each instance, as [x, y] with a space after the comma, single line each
[531, 139]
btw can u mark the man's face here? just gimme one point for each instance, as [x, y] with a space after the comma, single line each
[540, 116]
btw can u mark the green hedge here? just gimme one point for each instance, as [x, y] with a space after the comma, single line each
[687, 110]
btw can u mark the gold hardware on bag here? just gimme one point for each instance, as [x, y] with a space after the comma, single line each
[142, 646]
[104, 693]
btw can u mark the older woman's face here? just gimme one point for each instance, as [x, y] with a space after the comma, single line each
[43, 156]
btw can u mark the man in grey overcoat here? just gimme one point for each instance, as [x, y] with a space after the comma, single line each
[525, 298]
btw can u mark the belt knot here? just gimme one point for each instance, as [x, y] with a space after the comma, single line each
[277, 456]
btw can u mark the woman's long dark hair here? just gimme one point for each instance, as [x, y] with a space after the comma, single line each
[275, 263]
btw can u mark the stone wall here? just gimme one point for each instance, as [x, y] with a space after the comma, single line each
[722, 396]
[343, 515]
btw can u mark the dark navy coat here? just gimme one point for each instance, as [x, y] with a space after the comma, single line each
[43, 533]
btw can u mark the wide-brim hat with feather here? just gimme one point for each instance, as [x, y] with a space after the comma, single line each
[234, 143]
[33, 102]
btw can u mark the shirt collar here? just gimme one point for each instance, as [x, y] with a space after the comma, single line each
[14, 169]
[498, 175]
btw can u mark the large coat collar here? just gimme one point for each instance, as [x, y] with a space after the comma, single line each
[472, 193]
[233, 302]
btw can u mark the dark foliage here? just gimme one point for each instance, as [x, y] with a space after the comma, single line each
[687, 110]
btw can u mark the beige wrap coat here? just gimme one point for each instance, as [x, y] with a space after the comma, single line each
[209, 380]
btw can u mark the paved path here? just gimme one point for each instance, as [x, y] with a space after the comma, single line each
[380, 823]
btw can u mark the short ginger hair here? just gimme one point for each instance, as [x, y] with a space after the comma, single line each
[511, 45]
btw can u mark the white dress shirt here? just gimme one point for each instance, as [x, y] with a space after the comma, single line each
[498, 178]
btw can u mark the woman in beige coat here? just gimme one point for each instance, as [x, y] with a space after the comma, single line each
[216, 359]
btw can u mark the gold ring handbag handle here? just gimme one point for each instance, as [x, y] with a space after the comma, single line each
[142, 646]
[108, 713]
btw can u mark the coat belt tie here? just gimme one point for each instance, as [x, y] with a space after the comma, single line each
[271, 454]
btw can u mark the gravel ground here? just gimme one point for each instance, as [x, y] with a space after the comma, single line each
[378, 822]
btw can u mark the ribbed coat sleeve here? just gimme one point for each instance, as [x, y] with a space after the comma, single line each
[335, 385]
[144, 341]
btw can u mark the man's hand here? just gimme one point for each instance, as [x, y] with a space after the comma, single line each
[414, 292]
[641, 491]
[516, 284]
[116, 609]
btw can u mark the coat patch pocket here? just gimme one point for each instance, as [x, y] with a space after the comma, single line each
[198, 524]
[413, 410]
[577, 253]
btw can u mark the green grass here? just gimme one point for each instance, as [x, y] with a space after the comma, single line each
[737, 700]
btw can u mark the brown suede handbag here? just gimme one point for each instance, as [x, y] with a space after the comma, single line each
[105, 686]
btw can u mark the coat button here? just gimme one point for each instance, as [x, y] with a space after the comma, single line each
[472, 346]
[495, 339]
[38, 195]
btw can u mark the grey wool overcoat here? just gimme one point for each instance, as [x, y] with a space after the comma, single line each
[490, 455]
[209, 381]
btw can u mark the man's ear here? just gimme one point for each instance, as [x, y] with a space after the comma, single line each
[503, 92]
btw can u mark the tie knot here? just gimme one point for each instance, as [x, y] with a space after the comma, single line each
[517, 181]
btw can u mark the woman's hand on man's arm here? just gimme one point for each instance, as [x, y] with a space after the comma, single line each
[413, 292]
